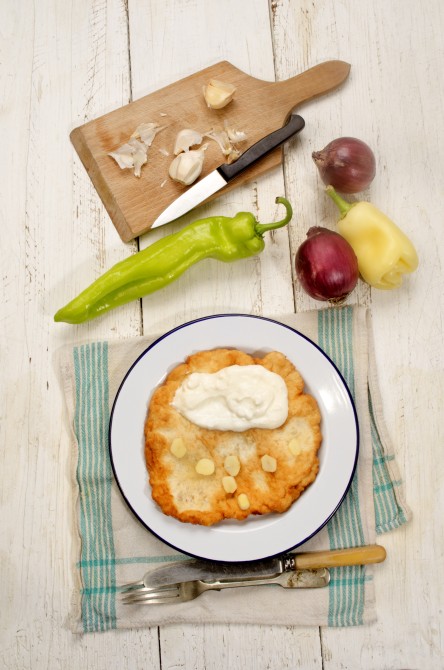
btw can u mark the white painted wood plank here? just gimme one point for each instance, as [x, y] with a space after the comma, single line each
[59, 66]
[249, 286]
[391, 101]
[212, 647]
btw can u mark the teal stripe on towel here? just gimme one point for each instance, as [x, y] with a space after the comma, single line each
[347, 592]
[388, 514]
[94, 477]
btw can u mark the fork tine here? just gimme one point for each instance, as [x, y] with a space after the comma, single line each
[139, 587]
[152, 596]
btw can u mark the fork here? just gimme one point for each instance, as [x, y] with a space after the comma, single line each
[185, 591]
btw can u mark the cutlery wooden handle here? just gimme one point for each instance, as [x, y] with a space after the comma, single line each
[334, 558]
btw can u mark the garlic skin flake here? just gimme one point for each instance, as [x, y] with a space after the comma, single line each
[146, 132]
[187, 166]
[186, 139]
[234, 135]
[218, 94]
[227, 139]
[134, 153]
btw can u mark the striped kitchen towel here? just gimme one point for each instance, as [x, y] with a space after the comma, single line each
[111, 547]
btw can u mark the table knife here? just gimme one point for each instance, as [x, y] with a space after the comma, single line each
[222, 175]
[193, 569]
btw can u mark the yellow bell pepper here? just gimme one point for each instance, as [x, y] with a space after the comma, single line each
[384, 253]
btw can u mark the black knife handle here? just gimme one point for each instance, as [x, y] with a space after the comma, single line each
[263, 147]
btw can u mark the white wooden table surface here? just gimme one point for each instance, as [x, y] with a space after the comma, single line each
[63, 63]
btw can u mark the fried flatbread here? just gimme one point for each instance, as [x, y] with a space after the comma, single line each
[191, 497]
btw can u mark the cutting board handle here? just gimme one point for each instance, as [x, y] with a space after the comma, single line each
[317, 80]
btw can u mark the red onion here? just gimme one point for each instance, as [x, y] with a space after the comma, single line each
[347, 164]
[326, 265]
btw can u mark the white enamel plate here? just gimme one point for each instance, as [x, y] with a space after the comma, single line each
[259, 536]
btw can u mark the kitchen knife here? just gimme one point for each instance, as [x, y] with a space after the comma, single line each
[222, 175]
[193, 569]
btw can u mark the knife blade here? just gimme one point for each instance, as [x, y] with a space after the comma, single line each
[198, 569]
[222, 175]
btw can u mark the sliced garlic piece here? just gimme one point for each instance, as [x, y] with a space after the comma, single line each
[218, 94]
[295, 447]
[268, 463]
[232, 465]
[229, 484]
[242, 501]
[178, 447]
[186, 139]
[205, 466]
[187, 166]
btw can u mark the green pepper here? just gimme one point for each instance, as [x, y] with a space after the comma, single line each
[219, 237]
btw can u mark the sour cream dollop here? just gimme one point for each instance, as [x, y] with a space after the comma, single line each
[235, 398]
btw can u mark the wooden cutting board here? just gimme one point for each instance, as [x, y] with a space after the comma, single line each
[258, 108]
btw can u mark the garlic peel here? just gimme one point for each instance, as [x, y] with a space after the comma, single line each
[134, 153]
[234, 135]
[227, 139]
[146, 132]
[218, 94]
[221, 137]
[186, 139]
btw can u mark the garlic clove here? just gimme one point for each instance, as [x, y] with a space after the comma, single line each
[187, 166]
[218, 94]
[186, 139]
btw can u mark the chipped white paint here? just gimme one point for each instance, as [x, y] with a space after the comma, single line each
[64, 63]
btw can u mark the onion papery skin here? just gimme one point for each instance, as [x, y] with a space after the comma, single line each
[347, 164]
[326, 265]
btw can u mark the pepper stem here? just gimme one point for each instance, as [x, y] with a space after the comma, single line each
[262, 228]
[343, 206]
